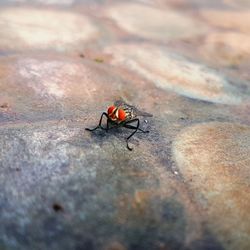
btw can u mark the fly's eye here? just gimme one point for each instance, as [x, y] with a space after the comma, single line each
[111, 110]
[121, 115]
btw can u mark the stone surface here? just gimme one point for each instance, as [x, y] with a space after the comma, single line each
[83, 191]
[44, 2]
[154, 23]
[235, 20]
[214, 160]
[239, 4]
[163, 69]
[229, 48]
[55, 86]
[33, 28]
[185, 186]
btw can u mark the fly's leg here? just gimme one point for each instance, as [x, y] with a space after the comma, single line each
[135, 130]
[133, 127]
[100, 123]
[107, 128]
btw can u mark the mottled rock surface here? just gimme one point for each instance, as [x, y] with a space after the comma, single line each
[228, 48]
[154, 23]
[173, 73]
[30, 28]
[186, 183]
[215, 158]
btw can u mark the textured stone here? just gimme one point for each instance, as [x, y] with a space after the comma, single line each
[74, 189]
[45, 2]
[214, 160]
[239, 3]
[174, 73]
[230, 48]
[114, 246]
[63, 187]
[66, 187]
[52, 87]
[153, 23]
[30, 28]
[237, 20]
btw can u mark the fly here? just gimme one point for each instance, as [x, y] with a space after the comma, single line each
[121, 114]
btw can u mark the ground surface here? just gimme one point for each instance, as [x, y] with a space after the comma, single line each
[186, 184]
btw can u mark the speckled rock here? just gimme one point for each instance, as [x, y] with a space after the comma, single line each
[68, 188]
[171, 72]
[33, 28]
[76, 189]
[214, 160]
[153, 23]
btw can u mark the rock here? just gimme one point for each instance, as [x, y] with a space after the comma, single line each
[171, 72]
[115, 245]
[87, 191]
[238, 4]
[63, 187]
[152, 23]
[214, 161]
[33, 28]
[237, 20]
[55, 87]
[228, 48]
[45, 2]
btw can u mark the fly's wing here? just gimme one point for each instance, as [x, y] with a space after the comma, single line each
[142, 113]
[137, 112]
[119, 103]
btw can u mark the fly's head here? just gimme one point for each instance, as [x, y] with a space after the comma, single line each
[116, 114]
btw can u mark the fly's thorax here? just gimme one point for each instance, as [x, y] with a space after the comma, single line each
[130, 114]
